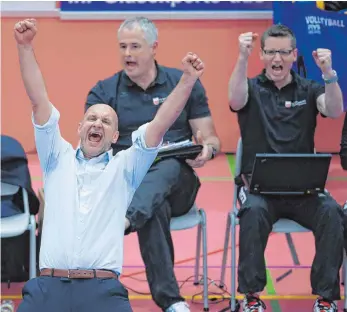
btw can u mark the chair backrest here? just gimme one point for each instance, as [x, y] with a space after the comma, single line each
[10, 189]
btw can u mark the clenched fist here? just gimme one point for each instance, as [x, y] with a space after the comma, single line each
[246, 43]
[322, 58]
[25, 31]
[193, 65]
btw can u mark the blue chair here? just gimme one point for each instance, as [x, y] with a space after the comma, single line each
[18, 224]
[196, 217]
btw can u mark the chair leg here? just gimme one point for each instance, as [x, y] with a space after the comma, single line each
[234, 305]
[225, 252]
[32, 265]
[204, 258]
[197, 256]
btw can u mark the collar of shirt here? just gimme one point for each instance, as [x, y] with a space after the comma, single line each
[159, 79]
[264, 79]
[102, 158]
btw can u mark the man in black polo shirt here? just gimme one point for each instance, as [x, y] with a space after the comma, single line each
[343, 152]
[170, 187]
[277, 113]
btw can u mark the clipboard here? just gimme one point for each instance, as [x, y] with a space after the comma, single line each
[183, 153]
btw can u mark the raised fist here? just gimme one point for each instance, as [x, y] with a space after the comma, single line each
[323, 60]
[25, 31]
[193, 66]
[246, 43]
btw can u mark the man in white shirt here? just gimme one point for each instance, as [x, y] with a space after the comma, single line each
[80, 259]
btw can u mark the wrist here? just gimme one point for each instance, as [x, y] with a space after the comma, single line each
[329, 76]
[188, 80]
[24, 46]
[328, 73]
[212, 151]
[242, 58]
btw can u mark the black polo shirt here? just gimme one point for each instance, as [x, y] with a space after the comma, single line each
[278, 121]
[135, 106]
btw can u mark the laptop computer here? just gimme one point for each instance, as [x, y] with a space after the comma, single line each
[289, 174]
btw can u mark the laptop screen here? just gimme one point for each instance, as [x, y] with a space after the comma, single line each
[290, 173]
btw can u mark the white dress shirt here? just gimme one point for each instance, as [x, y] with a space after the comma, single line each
[86, 200]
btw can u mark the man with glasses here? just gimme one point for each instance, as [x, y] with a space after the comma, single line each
[277, 113]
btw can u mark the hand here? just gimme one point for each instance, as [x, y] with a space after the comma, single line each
[204, 156]
[322, 58]
[25, 31]
[246, 43]
[193, 66]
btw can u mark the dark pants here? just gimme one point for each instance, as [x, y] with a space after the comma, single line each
[168, 190]
[321, 214]
[55, 294]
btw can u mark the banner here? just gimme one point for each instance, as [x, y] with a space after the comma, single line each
[166, 9]
[28, 8]
[315, 28]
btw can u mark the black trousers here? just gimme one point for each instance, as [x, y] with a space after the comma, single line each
[168, 190]
[55, 294]
[321, 214]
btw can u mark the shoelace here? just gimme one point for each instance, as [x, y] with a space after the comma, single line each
[254, 303]
[325, 305]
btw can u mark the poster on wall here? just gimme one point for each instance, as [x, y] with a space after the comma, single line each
[98, 10]
[316, 28]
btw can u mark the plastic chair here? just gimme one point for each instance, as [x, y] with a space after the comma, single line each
[18, 224]
[196, 217]
[281, 226]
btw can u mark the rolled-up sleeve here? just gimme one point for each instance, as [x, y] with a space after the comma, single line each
[48, 140]
[139, 157]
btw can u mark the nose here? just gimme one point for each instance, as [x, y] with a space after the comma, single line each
[277, 57]
[127, 51]
[97, 123]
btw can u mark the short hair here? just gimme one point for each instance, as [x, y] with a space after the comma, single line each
[278, 31]
[149, 29]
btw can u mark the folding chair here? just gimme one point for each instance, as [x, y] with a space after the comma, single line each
[18, 224]
[281, 226]
[196, 217]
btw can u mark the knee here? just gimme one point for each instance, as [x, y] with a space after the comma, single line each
[333, 212]
[255, 214]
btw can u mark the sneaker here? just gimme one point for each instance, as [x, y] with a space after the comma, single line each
[178, 307]
[323, 305]
[252, 303]
[7, 306]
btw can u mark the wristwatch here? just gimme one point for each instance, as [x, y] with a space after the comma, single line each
[214, 151]
[333, 79]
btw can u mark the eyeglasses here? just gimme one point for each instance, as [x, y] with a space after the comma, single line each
[282, 53]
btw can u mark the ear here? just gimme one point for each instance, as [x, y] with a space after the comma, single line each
[295, 54]
[261, 54]
[115, 137]
[155, 47]
[79, 128]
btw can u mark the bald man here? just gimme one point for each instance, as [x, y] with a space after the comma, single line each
[80, 259]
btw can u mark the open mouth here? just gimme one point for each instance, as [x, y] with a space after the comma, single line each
[130, 64]
[277, 68]
[95, 137]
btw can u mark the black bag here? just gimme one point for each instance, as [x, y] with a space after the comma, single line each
[15, 258]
